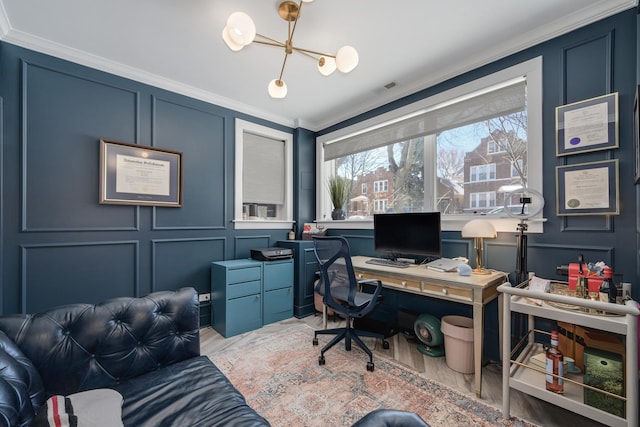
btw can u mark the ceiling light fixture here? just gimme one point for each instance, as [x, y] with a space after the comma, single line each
[240, 31]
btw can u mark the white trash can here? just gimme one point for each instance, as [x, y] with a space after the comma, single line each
[458, 343]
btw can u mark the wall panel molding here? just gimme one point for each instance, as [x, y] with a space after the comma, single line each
[181, 262]
[80, 272]
[196, 128]
[49, 205]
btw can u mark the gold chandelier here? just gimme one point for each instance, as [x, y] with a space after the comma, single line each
[240, 31]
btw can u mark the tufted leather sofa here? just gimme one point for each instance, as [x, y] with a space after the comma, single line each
[148, 349]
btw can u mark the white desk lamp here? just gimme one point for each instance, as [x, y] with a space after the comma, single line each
[479, 229]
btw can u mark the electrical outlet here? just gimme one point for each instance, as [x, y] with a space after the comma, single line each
[204, 297]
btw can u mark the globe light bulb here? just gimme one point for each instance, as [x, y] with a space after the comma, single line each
[241, 28]
[277, 88]
[326, 65]
[346, 59]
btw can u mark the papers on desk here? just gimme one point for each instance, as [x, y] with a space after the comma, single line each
[444, 264]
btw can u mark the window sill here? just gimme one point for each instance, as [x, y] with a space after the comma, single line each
[502, 224]
[263, 224]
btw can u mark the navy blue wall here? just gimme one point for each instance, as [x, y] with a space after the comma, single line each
[588, 62]
[60, 246]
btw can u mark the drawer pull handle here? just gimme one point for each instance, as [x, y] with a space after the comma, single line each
[360, 276]
[444, 291]
[404, 284]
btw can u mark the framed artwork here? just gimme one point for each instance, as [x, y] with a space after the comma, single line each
[588, 189]
[589, 125]
[133, 174]
[636, 135]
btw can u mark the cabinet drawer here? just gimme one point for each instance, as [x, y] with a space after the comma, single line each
[236, 290]
[454, 293]
[278, 275]
[278, 305]
[243, 274]
[393, 282]
[244, 314]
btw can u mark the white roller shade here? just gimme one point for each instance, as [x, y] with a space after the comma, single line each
[264, 170]
[489, 104]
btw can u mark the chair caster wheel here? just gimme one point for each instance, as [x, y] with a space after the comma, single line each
[315, 341]
[321, 360]
[370, 366]
[385, 344]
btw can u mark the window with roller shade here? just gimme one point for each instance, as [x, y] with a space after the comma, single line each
[263, 177]
[455, 152]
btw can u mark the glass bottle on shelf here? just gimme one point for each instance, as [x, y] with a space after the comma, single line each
[605, 289]
[555, 365]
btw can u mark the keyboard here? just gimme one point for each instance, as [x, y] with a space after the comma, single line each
[387, 262]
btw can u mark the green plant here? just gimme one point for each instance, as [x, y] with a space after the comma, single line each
[338, 191]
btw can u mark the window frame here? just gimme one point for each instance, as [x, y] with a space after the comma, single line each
[242, 126]
[530, 69]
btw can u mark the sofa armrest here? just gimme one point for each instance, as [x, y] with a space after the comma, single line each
[79, 347]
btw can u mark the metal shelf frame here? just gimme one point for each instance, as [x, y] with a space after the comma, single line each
[519, 375]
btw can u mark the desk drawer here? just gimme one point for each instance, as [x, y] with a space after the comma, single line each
[395, 282]
[454, 293]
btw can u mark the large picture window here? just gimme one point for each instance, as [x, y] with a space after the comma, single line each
[459, 152]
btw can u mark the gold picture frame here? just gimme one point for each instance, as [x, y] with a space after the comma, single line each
[132, 174]
[588, 125]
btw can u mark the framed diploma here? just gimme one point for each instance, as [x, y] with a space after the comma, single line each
[133, 174]
[588, 189]
[589, 125]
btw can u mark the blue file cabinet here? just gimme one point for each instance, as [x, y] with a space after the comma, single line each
[246, 294]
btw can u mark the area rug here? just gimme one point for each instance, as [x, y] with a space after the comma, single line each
[280, 377]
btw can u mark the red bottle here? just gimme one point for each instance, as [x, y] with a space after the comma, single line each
[555, 365]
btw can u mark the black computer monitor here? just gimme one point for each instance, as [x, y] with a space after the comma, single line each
[415, 234]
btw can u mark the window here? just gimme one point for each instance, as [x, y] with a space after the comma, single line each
[483, 172]
[494, 147]
[483, 200]
[456, 152]
[381, 186]
[380, 206]
[263, 186]
[364, 188]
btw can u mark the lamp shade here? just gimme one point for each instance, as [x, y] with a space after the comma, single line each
[240, 28]
[226, 36]
[478, 228]
[277, 88]
[346, 59]
[328, 65]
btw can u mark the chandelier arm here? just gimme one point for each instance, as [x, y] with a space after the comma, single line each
[308, 51]
[271, 42]
[295, 23]
[276, 44]
[286, 55]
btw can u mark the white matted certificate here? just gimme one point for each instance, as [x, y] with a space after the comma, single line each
[588, 188]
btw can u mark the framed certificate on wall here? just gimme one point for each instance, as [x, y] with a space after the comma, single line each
[588, 189]
[588, 125]
[132, 174]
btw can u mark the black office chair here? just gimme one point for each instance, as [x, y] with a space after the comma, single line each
[341, 292]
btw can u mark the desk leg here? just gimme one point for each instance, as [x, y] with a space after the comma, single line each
[478, 340]
[500, 320]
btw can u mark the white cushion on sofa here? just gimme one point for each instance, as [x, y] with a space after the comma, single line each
[92, 408]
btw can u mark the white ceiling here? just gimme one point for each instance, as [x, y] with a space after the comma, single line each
[177, 45]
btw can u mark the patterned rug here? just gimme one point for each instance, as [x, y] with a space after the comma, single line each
[281, 379]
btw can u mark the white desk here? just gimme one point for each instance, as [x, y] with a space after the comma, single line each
[475, 290]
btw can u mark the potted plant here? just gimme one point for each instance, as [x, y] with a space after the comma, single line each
[338, 191]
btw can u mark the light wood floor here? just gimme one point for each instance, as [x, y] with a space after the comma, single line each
[405, 351]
